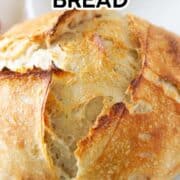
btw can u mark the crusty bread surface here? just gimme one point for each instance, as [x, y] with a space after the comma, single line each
[89, 95]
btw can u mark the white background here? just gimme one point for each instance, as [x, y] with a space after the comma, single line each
[164, 13]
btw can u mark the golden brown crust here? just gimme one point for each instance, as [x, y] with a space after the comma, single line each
[100, 128]
[160, 49]
[143, 144]
[48, 26]
[19, 46]
[36, 72]
[36, 27]
[23, 153]
[140, 145]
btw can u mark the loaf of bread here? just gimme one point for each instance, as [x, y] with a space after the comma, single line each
[89, 95]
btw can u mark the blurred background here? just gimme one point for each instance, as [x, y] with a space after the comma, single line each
[164, 13]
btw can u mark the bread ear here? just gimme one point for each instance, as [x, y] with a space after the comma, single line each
[134, 145]
[48, 27]
[22, 102]
[160, 49]
[19, 43]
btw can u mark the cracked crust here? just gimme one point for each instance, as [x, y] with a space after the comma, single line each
[134, 145]
[140, 145]
[48, 26]
[139, 137]
[160, 49]
[18, 45]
